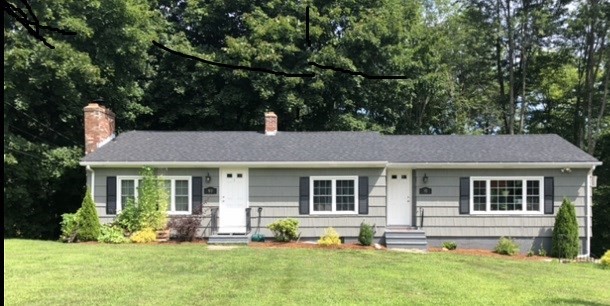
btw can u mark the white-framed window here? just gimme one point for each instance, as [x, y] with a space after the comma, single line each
[506, 195]
[178, 189]
[333, 194]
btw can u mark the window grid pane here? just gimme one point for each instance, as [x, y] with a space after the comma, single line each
[128, 191]
[181, 198]
[479, 195]
[345, 195]
[533, 195]
[506, 195]
[322, 195]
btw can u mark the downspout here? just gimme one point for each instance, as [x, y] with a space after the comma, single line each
[92, 186]
[588, 204]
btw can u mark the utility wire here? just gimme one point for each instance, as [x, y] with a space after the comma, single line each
[11, 126]
[25, 153]
[48, 127]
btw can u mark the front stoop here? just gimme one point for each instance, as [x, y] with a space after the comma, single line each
[405, 238]
[230, 238]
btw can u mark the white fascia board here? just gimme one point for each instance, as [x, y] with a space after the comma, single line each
[475, 165]
[372, 164]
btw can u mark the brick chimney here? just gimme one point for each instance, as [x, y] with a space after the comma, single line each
[99, 126]
[270, 123]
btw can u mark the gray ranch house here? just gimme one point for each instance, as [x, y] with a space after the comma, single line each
[419, 191]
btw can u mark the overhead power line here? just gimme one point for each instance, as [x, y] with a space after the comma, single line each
[44, 125]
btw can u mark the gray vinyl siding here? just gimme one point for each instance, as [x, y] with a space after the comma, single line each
[277, 191]
[443, 221]
[100, 189]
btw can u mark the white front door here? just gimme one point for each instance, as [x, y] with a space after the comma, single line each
[399, 197]
[233, 200]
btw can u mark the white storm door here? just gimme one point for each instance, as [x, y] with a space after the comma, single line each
[233, 200]
[399, 208]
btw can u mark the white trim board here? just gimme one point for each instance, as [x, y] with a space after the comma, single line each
[327, 164]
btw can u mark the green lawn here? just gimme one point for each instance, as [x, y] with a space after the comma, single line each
[41, 272]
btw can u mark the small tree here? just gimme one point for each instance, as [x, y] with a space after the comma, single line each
[88, 221]
[365, 237]
[565, 232]
[152, 201]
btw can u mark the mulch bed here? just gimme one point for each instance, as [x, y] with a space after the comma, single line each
[353, 246]
[489, 253]
[304, 245]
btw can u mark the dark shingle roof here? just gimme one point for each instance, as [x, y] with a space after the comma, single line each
[483, 149]
[147, 146]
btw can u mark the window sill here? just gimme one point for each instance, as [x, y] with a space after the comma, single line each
[512, 213]
[334, 214]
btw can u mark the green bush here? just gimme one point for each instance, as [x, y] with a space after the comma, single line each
[507, 246]
[144, 236]
[605, 261]
[152, 201]
[149, 210]
[542, 252]
[69, 227]
[449, 245]
[330, 237]
[285, 230]
[128, 219]
[365, 237]
[111, 234]
[89, 223]
[565, 232]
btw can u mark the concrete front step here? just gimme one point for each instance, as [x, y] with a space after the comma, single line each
[406, 238]
[229, 239]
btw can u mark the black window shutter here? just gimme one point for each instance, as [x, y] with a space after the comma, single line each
[363, 195]
[197, 195]
[549, 195]
[464, 195]
[304, 195]
[110, 195]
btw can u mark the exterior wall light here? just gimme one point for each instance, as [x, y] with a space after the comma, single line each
[208, 178]
[425, 178]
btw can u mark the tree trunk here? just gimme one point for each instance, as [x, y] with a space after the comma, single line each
[500, 75]
[524, 43]
[511, 72]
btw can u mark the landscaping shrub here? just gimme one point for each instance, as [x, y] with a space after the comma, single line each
[565, 232]
[83, 225]
[365, 237]
[285, 230]
[449, 245]
[605, 261]
[111, 234]
[88, 221]
[128, 219]
[149, 210]
[152, 201]
[69, 227]
[507, 246]
[143, 236]
[185, 227]
[542, 252]
[330, 237]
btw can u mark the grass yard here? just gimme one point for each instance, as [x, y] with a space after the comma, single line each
[42, 272]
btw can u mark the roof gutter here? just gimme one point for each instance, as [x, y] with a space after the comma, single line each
[349, 164]
[495, 165]
[314, 164]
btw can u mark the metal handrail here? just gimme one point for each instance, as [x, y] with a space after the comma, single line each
[214, 220]
[248, 220]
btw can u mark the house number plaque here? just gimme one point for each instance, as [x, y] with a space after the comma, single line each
[210, 190]
[425, 190]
